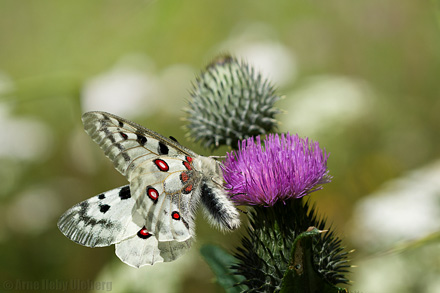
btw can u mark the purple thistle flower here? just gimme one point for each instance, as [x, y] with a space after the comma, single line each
[286, 167]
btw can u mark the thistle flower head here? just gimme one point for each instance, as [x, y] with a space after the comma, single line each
[230, 102]
[286, 167]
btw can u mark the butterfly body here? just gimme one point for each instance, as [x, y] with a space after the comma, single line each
[151, 219]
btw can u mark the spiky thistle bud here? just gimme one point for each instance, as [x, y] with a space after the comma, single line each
[229, 102]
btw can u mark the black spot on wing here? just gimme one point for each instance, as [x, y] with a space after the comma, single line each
[185, 223]
[83, 216]
[121, 124]
[123, 135]
[124, 193]
[162, 149]
[142, 140]
[109, 135]
[104, 208]
[82, 236]
[104, 127]
[126, 157]
[84, 206]
[173, 138]
[101, 196]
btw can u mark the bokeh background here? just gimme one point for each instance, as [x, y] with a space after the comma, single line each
[360, 77]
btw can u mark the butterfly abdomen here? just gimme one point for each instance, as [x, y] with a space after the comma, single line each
[218, 208]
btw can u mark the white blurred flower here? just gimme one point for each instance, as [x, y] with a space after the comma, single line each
[33, 211]
[128, 279]
[255, 46]
[399, 273]
[130, 88]
[23, 138]
[175, 83]
[406, 208]
[326, 102]
[273, 60]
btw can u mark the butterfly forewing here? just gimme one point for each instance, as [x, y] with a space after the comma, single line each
[128, 144]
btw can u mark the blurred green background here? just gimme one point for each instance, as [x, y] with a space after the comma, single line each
[360, 77]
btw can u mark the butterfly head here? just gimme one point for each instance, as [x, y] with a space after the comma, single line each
[210, 168]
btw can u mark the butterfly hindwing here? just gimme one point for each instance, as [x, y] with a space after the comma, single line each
[145, 249]
[102, 220]
[164, 190]
[109, 218]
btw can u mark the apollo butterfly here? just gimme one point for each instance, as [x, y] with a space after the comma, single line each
[152, 219]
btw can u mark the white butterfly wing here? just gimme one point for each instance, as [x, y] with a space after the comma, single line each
[152, 219]
[166, 196]
[108, 219]
[154, 165]
[144, 249]
[102, 220]
[126, 143]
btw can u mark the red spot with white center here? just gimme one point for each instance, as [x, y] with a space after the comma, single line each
[175, 216]
[143, 233]
[152, 193]
[162, 165]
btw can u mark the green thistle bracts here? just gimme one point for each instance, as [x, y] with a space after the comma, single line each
[230, 102]
[265, 257]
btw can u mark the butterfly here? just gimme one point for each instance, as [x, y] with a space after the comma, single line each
[151, 219]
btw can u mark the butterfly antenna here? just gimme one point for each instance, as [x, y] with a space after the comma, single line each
[235, 194]
[218, 184]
